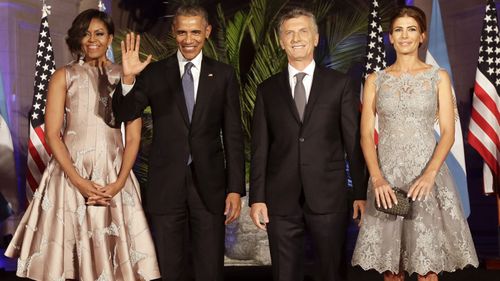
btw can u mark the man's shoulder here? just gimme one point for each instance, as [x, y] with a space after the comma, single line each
[272, 81]
[329, 72]
[217, 64]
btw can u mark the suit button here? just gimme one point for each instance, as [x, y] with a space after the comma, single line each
[301, 139]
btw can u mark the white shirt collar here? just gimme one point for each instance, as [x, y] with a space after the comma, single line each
[196, 61]
[309, 70]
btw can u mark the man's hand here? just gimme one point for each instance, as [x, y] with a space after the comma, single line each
[233, 207]
[358, 210]
[131, 62]
[258, 213]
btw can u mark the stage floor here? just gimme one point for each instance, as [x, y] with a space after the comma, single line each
[263, 273]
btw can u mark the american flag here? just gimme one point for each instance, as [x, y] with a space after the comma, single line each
[484, 127]
[375, 50]
[38, 150]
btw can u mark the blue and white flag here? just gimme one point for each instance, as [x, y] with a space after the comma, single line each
[437, 54]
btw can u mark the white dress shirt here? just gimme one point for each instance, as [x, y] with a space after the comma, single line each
[307, 81]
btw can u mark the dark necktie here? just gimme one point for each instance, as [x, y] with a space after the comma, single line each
[188, 87]
[299, 94]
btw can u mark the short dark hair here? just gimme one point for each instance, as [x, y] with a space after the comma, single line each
[80, 26]
[413, 12]
[191, 10]
[295, 13]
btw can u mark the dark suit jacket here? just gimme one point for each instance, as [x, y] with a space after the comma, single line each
[214, 138]
[289, 155]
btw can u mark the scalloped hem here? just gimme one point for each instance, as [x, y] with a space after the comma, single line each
[382, 271]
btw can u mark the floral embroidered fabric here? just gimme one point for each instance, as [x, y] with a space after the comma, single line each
[436, 236]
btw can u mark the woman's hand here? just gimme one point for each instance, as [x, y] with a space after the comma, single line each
[383, 193]
[92, 192]
[422, 186]
[113, 188]
[131, 62]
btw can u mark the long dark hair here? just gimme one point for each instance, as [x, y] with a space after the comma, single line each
[80, 26]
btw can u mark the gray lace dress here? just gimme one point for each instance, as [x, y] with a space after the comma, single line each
[436, 236]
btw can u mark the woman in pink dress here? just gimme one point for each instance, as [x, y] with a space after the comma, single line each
[86, 221]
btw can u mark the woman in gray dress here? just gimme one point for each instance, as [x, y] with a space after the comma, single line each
[408, 96]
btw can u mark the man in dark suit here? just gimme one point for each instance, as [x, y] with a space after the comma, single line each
[196, 165]
[305, 121]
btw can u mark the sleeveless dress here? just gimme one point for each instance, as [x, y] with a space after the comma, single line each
[436, 236]
[59, 237]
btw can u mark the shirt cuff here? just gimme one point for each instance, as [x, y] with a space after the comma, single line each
[126, 88]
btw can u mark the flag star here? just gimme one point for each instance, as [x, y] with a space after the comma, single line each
[497, 60]
[491, 71]
[377, 68]
[368, 66]
[379, 49]
[488, 39]
[378, 58]
[38, 96]
[497, 82]
[369, 55]
[497, 71]
[34, 115]
[41, 87]
[45, 67]
[374, 13]
[380, 39]
[43, 77]
[47, 57]
[384, 64]
[489, 50]
[49, 48]
[41, 44]
[373, 34]
[39, 54]
[490, 60]
[380, 28]
[37, 106]
[52, 70]
[371, 45]
[373, 24]
[497, 39]
[375, 3]
[489, 28]
[43, 33]
[43, 110]
[37, 63]
[45, 23]
[487, 18]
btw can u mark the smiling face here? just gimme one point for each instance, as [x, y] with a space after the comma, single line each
[406, 35]
[298, 37]
[190, 32]
[96, 40]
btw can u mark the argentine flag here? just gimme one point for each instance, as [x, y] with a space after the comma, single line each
[437, 54]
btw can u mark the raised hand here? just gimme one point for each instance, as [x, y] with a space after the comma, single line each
[131, 63]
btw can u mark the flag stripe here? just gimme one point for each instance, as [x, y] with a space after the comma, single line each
[33, 154]
[487, 156]
[40, 131]
[487, 97]
[480, 134]
[485, 127]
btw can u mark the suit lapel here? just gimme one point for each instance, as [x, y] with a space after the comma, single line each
[174, 80]
[287, 94]
[315, 92]
[207, 78]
